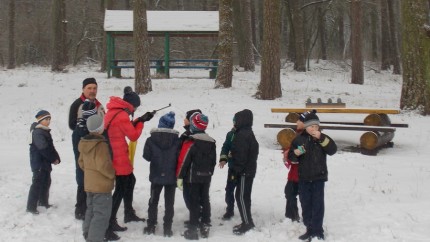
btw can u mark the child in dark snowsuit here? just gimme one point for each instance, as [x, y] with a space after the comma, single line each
[244, 153]
[162, 149]
[196, 171]
[42, 156]
[310, 150]
[225, 157]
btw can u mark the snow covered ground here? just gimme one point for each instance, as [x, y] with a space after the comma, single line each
[368, 198]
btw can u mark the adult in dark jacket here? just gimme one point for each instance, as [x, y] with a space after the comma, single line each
[244, 153]
[162, 149]
[42, 156]
[310, 150]
[85, 105]
[196, 172]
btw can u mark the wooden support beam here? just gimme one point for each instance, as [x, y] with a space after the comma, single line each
[337, 127]
[336, 110]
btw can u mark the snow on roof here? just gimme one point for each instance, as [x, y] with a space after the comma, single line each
[164, 21]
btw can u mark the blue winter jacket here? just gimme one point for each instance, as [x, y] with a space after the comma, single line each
[42, 150]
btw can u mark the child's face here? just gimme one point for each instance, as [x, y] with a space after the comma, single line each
[46, 122]
[300, 125]
[311, 129]
[186, 122]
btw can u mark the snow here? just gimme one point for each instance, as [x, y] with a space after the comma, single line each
[164, 21]
[368, 198]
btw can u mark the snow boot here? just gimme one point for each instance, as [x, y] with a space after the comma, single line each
[243, 228]
[111, 236]
[33, 211]
[204, 230]
[150, 229]
[132, 217]
[191, 233]
[168, 230]
[306, 236]
[114, 226]
[228, 214]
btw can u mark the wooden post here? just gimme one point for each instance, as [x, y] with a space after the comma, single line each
[167, 54]
[109, 53]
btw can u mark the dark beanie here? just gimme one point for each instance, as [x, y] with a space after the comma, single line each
[41, 115]
[131, 97]
[303, 115]
[191, 112]
[311, 119]
[87, 81]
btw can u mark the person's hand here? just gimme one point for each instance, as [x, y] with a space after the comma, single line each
[180, 184]
[146, 117]
[56, 162]
[316, 134]
[300, 150]
[222, 164]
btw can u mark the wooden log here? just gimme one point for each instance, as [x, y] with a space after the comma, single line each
[377, 119]
[285, 137]
[292, 117]
[337, 127]
[372, 140]
[336, 110]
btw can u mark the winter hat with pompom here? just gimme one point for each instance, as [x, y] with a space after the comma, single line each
[167, 120]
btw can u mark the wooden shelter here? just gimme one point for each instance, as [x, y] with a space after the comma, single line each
[160, 23]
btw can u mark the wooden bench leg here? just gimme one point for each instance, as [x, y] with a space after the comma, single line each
[213, 73]
[116, 72]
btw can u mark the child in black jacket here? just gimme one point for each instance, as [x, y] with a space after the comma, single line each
[42, 155]
[162, 150]
[244, 154]
[196, 171]
[310, 150]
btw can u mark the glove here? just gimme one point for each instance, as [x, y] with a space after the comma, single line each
[146, 117]
[179, 184]
[88, 109]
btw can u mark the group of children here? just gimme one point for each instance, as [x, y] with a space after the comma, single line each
[186, 162]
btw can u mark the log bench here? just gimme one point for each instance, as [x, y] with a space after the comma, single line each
[379, 131]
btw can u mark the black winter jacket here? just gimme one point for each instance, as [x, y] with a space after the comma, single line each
[313, 163]
[42, 150]
[200, 160]
[162, 150]
[244, 149]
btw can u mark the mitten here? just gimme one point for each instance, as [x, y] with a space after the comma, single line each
[146, 117]
[88, 109]
[179, 184]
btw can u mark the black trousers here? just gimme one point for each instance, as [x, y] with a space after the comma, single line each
[229, 191]
[124, 188]
[169, 201]
[291, 191]
[199, 199]
[243, 198]
[81, 195]
[39, 189]
[312, 201]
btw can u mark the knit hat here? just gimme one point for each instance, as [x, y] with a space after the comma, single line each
[87, 81]
[199, 122]
[131, 97]
[167, 120]
[95, 124]
[41, 115]
[303, 115]
[311, 119]
[191, 112]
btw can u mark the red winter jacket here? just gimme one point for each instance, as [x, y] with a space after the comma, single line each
[184, 150]
[121, 127]
[293, 173]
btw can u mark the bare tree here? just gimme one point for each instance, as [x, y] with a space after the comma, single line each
[142, 83]
[385, 37]
[395, 53]
[107, 5]
[299, 40]
[357, 73]
[238, 31]
[11, 25]
[225, 45]
[270, 82]
[58, 35]
[416, 56]
[322, 32]
[249, 62]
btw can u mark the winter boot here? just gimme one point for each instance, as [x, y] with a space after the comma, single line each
[130, 216]
[204, 230]
[46, 205]
[228, 214]
[191, 233]
[150, 229]
[33, 211]
[111, 236]
[243, 228]
[306, 236]
[168, 230]
[114, 226]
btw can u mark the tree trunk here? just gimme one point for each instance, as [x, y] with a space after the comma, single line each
[374, 34]
[322, 32]
[249, 63]
[416, 56]
[341, 32]
[238, 30]
[357, 75]
[225, 70]
[64, 49]
[395, 54]
[270, 83]
[57, 31]
[142, 82]
[385, 37]
[299, 41]
[11, 25]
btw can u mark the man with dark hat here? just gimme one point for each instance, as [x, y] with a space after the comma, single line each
[83, 107]
[310, 150]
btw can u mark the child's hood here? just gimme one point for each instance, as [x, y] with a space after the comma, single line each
[89, 142]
